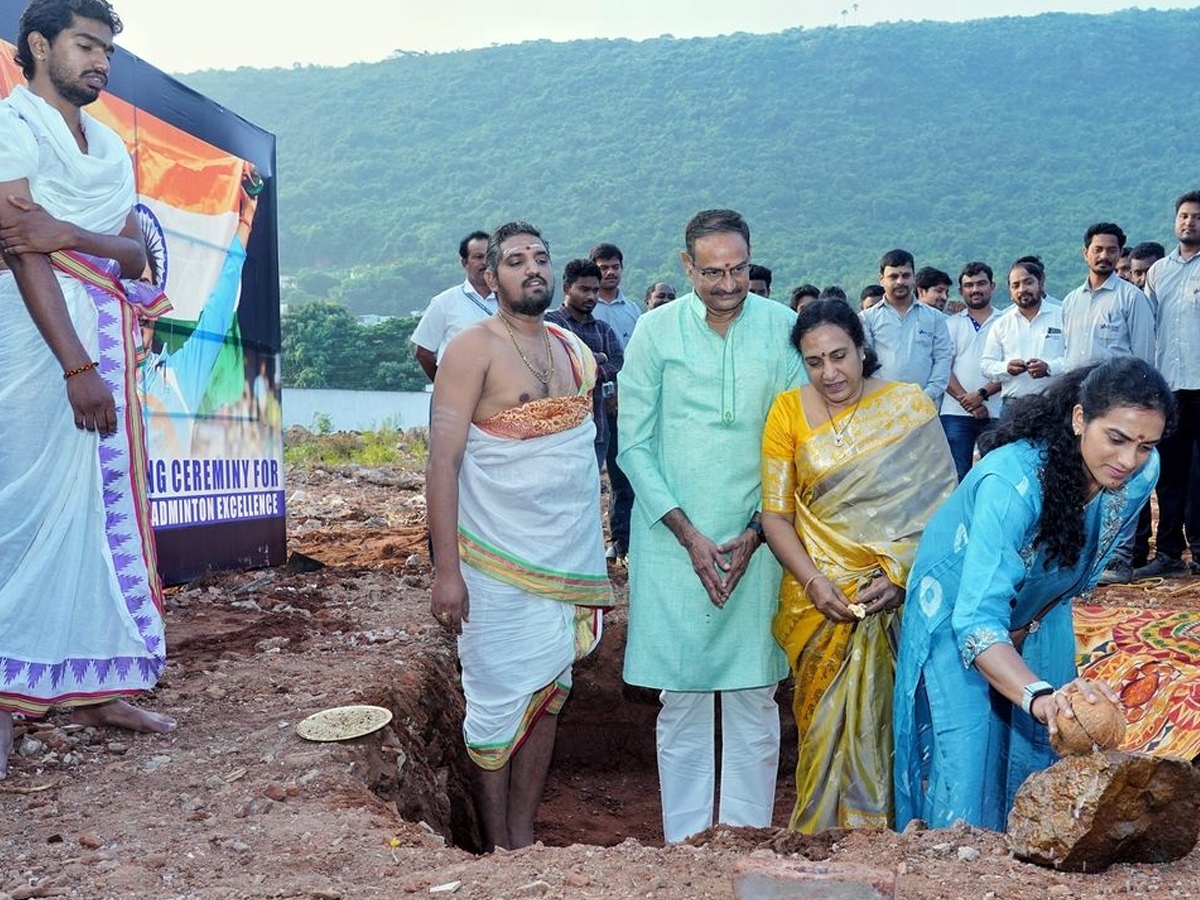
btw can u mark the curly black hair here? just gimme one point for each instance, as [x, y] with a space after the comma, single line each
[1046, 421]
[832, 311]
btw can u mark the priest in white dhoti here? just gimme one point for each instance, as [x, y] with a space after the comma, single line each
[514, 513]
[80, 602]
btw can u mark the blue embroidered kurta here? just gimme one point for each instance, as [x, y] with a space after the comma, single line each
[962, 750]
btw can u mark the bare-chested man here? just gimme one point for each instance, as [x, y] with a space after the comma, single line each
[80, 602]
[511, 461]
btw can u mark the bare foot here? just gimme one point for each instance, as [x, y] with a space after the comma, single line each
[6, 730]
[120, 714]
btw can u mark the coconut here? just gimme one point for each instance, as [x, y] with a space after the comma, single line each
[1096, 726]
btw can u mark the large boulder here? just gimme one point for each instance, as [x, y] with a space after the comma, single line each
[1085, 813]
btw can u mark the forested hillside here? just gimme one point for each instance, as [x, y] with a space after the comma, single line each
[980, 140]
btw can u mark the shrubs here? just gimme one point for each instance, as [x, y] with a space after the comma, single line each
[386, 445]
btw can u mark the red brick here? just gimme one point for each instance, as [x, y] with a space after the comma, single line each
[785, 879]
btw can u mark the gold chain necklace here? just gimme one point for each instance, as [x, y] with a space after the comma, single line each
[838, 436]
[544, 377]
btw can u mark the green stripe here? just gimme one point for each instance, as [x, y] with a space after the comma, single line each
[496, 551]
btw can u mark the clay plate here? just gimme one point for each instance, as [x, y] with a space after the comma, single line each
[342, 723]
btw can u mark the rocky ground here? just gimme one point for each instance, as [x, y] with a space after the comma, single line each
[234, 804]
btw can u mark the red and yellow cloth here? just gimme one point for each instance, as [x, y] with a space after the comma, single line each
[1152, 660]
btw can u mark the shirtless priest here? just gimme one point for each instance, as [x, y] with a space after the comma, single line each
[514, 511]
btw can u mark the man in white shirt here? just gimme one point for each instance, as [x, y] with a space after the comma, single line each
[972, 402]
[453, 310]
[1103, 318]
[1023, 351]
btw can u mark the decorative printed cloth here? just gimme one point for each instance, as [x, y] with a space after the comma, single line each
[1151, 657]
[860, 490]
[532, 556]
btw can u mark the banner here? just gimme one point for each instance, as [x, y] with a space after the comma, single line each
[209, 378]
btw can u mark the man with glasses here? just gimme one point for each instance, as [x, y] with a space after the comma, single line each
[911, 339]
[699, 379]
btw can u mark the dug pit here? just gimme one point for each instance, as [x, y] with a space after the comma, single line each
[603, 784]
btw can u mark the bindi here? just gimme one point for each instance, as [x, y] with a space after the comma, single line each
[524, 248]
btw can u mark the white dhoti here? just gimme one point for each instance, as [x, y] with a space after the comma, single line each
[80, 602]
[532, 555]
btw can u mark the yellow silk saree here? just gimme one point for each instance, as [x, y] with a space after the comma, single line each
[860, 491]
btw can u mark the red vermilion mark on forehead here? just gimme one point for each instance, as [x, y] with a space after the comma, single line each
[535, 247]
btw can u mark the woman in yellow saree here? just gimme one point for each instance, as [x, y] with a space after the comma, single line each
[853, 468]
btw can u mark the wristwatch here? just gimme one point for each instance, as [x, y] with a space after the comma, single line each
[983, 392]
[756, 526]
[1032, 692]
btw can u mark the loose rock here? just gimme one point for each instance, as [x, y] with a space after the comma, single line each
[1085, 813]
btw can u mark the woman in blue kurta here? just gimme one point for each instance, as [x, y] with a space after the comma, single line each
[987, 633]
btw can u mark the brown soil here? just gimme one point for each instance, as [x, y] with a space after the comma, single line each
[234, 804]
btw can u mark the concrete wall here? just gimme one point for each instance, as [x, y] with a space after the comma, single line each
[356, 410]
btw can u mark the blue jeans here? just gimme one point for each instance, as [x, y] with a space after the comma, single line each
[962, 432]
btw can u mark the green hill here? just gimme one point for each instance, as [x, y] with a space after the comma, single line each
[987, 140]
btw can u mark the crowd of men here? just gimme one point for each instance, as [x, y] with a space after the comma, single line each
[692, 382]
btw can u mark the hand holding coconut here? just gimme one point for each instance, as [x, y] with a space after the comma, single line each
[1081, 717]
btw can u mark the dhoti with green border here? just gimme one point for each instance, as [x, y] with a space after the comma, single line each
[532, 556]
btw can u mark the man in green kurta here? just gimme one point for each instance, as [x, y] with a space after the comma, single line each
[699, 378]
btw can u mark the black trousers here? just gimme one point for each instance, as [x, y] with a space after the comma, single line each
[1176, 452]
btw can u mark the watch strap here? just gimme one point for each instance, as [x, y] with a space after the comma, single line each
[1032, 692]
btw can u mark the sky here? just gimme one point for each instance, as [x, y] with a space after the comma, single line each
[225, 34]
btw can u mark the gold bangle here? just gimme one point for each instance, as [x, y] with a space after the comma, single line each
[79, 370]
[810, 581]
